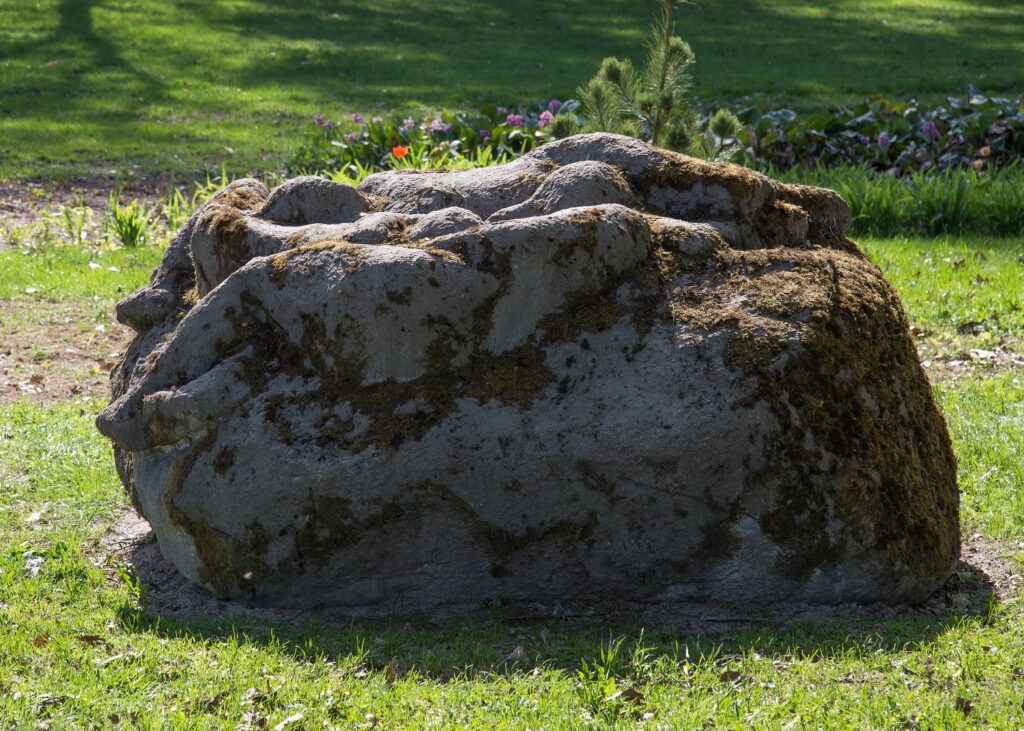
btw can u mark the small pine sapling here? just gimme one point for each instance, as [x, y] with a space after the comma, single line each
[652, 103]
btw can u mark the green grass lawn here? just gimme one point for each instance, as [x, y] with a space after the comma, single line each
[70, 273]
[947, 283]
[79, 650]
[76, 650]
[149, 87]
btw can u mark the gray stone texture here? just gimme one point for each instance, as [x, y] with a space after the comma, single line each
[602, 372]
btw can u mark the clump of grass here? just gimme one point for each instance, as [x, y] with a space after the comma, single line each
[176, 209]
[131, 223]
[76, 220]
[935, 203]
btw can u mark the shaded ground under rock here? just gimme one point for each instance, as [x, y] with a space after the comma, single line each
[985, 575]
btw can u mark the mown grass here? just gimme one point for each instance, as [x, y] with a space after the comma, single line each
[951, 283]
[79, 648]
[68, 273]
[986, 417]
[148, 86]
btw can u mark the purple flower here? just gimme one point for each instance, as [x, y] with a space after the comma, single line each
[554, 105]
[448, 127]
[329, 126]
[352, 136]
[930, 129]
[501, 110]
[864, 139]
[358, 118]
[378, 120]
[319, 119]
[544, 118]
[485, 134]
[437, 125]
[409, 123]
[515, 120]
[884, 140]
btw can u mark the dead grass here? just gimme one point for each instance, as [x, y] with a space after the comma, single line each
[56, 352]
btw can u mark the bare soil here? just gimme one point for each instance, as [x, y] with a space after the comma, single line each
[25, 207]
[955, 359]
[55, 352]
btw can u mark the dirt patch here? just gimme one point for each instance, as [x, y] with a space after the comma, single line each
[986, 573]
[57, 352]
[950, 358]
[30, 211]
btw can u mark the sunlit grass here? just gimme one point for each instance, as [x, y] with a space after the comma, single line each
[143, 87]
[78, 650]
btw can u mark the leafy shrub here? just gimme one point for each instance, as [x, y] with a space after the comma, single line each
[492, 131]
[978, 131]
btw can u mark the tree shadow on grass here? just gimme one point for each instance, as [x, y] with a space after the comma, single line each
[504, 640]
[90, 52]
[393, 51]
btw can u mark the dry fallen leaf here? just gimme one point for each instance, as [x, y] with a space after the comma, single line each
[89, 639]
[632, 695]
[731, 676]
[252, 721]
[294, 718]
[964, 705]
[518, 655]
[42, 640]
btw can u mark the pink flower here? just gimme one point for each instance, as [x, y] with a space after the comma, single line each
[515, 120]
[358, 118]
[437, 125]
[544, 118]
[409, 123]
[352, 136]
[378, 120]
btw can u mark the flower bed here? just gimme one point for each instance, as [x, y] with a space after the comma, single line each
[490, 134]
[978, 131]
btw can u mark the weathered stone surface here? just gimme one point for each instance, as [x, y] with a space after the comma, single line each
[601, 372]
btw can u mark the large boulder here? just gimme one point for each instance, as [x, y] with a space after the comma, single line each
[601, 372]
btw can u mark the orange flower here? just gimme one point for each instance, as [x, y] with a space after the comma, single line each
[400, 151]
[985, 151]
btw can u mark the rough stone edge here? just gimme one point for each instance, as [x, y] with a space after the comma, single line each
[983, 575]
